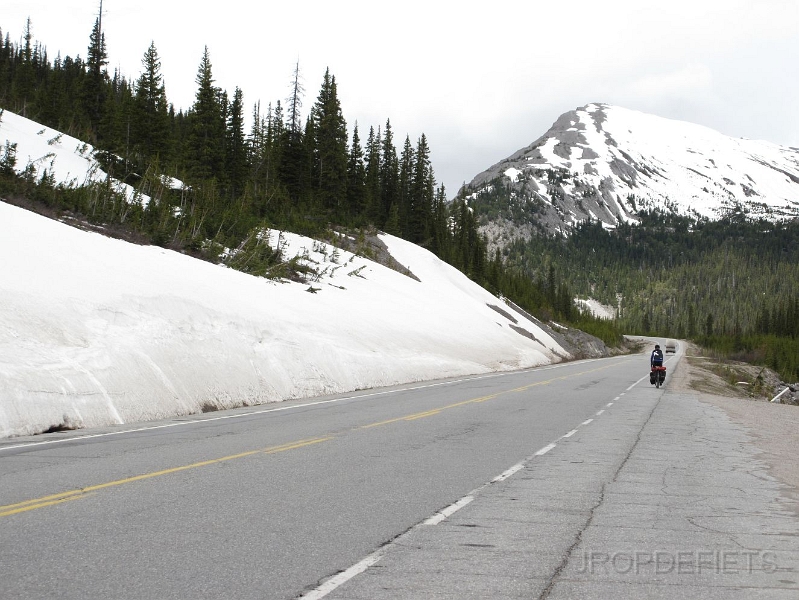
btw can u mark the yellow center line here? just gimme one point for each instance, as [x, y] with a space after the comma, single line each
[33, 504]
[436, 411]
[422, 415]
[53, 499]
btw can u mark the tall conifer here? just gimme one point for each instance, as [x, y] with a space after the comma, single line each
[331, 147]
[422, 193]
[405, 183]
[356, 175]
[372, 197]
[206, 137]
[292, 150]
[236, 154]
[150, 123]
[389, 172]
[97, 76]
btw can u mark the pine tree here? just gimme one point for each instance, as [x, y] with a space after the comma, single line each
[97, 76]
[236, 154]
[294, 124]
[331, 148]
[257, 154]
[150, 123]
[25, 76]
[206, 126]
[389, 172]
[115, 124]
[292, 147]
[8, 158]
[372, 182]
[405, 183]
[356, 176]
[422, 192]
[439, 230]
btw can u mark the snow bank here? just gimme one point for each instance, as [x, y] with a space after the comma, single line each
[43, 150]
[97, 331]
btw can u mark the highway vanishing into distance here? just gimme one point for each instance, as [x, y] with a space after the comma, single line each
[532, 484]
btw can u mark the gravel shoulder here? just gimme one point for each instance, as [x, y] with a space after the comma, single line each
[774, 428]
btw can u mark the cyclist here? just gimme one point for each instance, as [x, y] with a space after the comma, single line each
[656, 360]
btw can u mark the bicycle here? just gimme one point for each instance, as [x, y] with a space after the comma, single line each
[657, 376]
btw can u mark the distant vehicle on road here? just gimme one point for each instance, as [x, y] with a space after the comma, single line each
[671, 346]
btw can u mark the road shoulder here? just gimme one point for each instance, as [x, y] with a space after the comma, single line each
[773, 428]
[659, 496]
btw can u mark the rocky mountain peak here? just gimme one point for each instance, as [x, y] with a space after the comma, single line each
[606, 163]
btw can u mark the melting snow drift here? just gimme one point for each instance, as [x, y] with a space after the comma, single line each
[97, 331]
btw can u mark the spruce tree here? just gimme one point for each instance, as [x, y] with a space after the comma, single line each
[372, 184]
[25, 76]
[236, 153]
[356, 176]
[292, 148]
[405, 181]
[206, 126]
[389, 172]
[330, 131]
[97, 76]
[150, 124]
[422, 193]
[257, 150]
[294, 122]
[439, 232]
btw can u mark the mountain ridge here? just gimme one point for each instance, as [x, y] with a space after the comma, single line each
[606, 163]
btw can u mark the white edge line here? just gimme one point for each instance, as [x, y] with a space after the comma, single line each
[588, 422]
[544, 450]
[343, 577]
[600, 412]
[609, 404]
[358, 568]
[282, 408]
[637, 382]
[503, 476]
[338, 580]
[449, 511]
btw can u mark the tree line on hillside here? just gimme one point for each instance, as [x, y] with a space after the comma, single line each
[286, 172]
[728, 284]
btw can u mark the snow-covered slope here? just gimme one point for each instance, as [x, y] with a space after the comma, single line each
[97, 331]
[606, 163]
[45, 152]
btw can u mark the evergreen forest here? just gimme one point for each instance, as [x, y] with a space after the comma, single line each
[731, 285]
[243, 170]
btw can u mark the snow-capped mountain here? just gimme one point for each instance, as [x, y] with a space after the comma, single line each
[606, 163]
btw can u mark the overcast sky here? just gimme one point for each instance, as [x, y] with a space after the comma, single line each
[480, 80]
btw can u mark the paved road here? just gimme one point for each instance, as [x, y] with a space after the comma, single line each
[533, 471]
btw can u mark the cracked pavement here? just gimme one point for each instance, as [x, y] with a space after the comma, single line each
[664, 496]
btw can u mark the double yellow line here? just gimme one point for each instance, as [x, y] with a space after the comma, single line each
[44, 501]
[20, 507]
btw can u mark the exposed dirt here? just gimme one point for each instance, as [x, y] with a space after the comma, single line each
[774, 427]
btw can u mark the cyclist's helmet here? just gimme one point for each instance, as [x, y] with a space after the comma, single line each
[657, 346]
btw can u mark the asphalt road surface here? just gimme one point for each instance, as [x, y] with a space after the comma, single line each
[486, 486]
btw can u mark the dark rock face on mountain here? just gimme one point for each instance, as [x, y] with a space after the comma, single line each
[605, 163]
